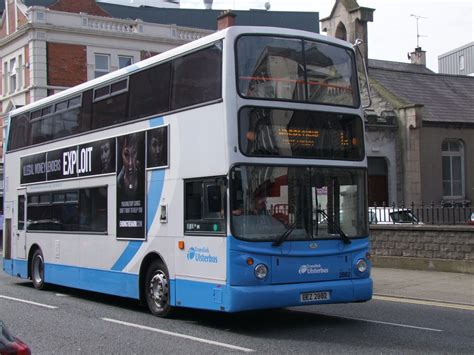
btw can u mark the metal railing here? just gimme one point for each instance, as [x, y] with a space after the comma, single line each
[444, 214]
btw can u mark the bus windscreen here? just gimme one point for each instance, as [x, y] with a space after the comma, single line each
[300, 134]
[293, 69]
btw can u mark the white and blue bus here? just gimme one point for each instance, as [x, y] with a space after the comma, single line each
[228, 174]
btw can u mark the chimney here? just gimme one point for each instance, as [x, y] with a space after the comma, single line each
[418, 56]
[225, 19]
[208, 4]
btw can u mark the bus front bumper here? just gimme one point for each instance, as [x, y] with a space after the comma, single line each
[244, 298]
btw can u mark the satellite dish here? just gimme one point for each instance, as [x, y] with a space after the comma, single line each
[267, 5]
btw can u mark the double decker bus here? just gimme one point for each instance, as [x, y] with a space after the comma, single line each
[227, 174]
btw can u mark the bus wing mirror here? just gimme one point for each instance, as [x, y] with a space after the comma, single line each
[356, 46]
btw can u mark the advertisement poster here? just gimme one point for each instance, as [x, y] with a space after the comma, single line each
[97, 157]
[89, 159]
[131, 186]
[157, 147]
[33, 168]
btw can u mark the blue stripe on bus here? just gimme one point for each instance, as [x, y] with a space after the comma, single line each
[157, 121]
[16, 267]
[127, 255]
[227, 298]
[203, 295]
[105, 281]
[154, 195]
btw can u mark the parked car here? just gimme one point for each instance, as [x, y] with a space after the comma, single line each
[10, 344]
[471, 220]
[389, 215]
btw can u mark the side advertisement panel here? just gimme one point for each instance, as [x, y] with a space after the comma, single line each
[127, 156]
[131, 186]
[89, 159]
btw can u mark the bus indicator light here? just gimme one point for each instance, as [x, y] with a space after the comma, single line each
[249, 261]
[181, 244]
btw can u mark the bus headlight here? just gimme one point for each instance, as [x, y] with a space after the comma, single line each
[361, 265]
[261, 271]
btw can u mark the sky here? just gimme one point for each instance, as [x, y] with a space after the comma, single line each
[443, 25]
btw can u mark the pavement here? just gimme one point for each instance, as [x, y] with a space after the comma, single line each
[434, 286]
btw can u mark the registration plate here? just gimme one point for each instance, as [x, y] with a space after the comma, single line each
[315, 296]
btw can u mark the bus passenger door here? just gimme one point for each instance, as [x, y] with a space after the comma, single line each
[20, 227]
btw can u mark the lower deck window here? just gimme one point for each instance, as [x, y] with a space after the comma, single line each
[205, 202]
[82, 210]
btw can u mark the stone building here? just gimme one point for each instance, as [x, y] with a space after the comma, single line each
[420, 127]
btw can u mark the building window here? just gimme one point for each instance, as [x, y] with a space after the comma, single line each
[453, 169]
[124, 61]
[13, 68]
[461, 62]
[341, 32]
[102, 65]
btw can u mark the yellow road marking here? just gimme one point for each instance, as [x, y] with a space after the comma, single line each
[423, 302]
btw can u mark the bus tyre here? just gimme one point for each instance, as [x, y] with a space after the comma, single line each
[37, 270]
[157, 289]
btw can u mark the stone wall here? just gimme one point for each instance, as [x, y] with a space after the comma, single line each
[423, 247]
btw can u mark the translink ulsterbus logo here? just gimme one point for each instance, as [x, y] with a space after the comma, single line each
[312, 269]
[201, 255]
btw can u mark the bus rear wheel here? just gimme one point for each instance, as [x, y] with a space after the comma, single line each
[37, 270]
[157, 289]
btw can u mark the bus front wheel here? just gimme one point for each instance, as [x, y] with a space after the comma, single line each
[157, 289]
[37, 270]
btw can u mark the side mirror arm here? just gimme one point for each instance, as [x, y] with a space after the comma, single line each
[356, 46]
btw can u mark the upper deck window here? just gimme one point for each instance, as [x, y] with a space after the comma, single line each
[190, 79]
[197, 77]
[293, 69]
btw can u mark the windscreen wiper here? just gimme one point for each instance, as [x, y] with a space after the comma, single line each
[285, 235]
[338, 229]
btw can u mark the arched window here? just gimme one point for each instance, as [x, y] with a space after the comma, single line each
[453, 169]
[341, 32]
